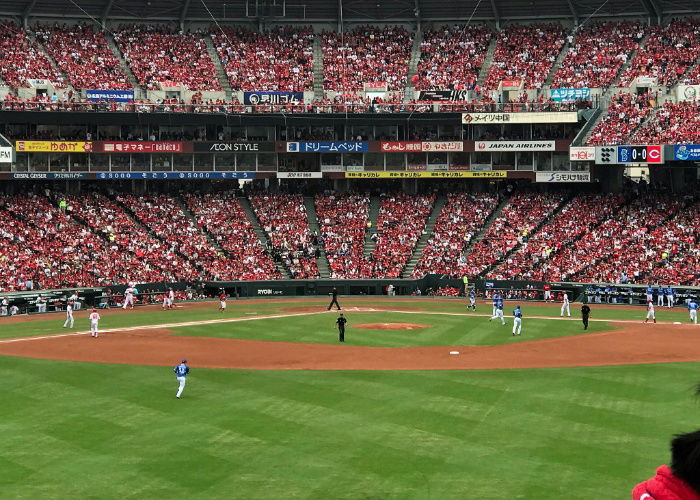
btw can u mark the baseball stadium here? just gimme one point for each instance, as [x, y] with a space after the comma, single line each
[387, 249]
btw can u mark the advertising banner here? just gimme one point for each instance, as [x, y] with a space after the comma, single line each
[582, 153]
[139, 147]
[327, 147]
[427, 175]
[420, 146]
[110, 95]
[688, 92]
[299, 175]
[687, 152]
[515, 146]
[174, 175]
[510, 83]
[563, 177]
[355, 168]
[54, 146]
[332, 168]
[524, 117]
[269, 97]
[5, 155]
[242, 147]
[570, 94]
[443, 95]
[414, 167]
[48, 175]
[376, 86]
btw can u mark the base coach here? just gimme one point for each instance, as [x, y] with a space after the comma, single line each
[585, 312]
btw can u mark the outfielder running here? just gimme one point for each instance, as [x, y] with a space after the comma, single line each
[565, 305]
[94, 320]
[181, 372]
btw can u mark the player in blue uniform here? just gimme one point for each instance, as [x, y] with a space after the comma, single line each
[670, 297]
[181, 372]
[496, 298]
[499, 312]
[650, 293]
[693, 309]
[472, 300]
[517, 320]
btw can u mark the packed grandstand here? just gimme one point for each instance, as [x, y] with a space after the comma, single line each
[626, 81]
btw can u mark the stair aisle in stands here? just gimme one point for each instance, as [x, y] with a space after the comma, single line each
[324, 269]
[420, 245]
[373, 217]
[264, 240]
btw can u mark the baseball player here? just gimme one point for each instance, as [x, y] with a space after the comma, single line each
[222, 301]
[565, 305]
[472, 299]
[547, 291]
[693, 309]
[94, 320]
[499, 312]
[128, 297]
[517, 321]
[650, 312]
[334, 300]
[168, 299]
[40, 304]
[69, 315]
[181, 372]
[650, 293]
[670, 296]
[76, 301]
[585, 313]
[14, 310]
[341, 321]
[496, 298]
[660, 296]
[4, 305]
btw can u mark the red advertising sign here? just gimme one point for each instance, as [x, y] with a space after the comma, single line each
[424, 146]
[141, 147]
[400, 147]
[510, 83]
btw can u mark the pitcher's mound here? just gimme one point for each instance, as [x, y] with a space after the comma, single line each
[391, 326]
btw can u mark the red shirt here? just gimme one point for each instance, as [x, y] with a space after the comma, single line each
[222, 297]
[664, 486]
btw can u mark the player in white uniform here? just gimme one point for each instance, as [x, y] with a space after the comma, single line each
[69, 315]
[40, 304]
[565, 305]
[128, 297]
[94, 320]
[650, 312]
[168, 299]
[76, 301]
[3, 306]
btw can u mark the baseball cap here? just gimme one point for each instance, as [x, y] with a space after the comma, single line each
[184, 361]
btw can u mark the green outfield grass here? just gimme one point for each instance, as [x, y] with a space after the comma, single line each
[82, 430]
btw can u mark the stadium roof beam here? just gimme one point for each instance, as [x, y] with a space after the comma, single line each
[340, 16]
[572, 8]
[28, 10]
[496, 15]
[183, 14]
[105, 13]
[653, 9]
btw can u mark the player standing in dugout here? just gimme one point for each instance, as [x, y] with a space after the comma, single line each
[585, 313]
[334, 300]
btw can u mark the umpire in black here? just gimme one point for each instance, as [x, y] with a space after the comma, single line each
[334, 293]
[341, 327]
[585, 312]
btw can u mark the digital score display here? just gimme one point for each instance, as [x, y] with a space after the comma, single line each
[640, 154]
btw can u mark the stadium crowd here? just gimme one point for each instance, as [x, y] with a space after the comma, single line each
[625, 114]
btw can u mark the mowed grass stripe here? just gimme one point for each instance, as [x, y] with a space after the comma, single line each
[549, 433]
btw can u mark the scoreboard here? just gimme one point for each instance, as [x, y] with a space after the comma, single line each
[640, 154]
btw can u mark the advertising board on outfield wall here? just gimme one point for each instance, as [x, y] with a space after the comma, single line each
[563, 177]
[515, 146]
[495, 174]
[299, 175]
[524, 117]
[420, 146]
[54, 146]
[582, 153]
